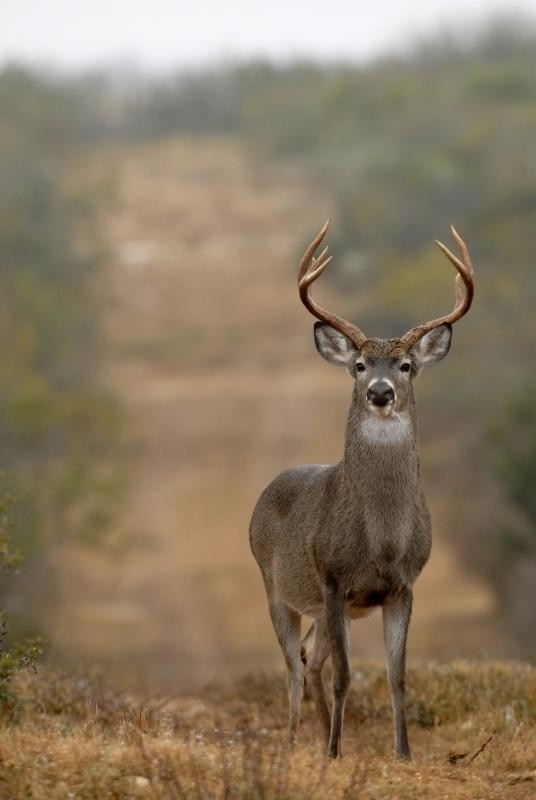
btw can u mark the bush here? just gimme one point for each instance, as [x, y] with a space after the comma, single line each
[19, 655]
[514, 534]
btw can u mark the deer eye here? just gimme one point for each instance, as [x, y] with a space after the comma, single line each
[360, 367]
[405, 367]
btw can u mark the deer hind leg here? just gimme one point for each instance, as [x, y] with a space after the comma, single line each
[287, 625]
[396, 616]
[315, 650]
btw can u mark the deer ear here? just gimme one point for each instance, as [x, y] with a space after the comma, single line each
[334, 346]
[433, 346]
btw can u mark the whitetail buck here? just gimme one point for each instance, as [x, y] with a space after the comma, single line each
[334, 542]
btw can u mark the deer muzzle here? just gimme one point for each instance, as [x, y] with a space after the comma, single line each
[380, 393]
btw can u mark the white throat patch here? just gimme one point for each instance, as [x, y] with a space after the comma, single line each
[385, 430]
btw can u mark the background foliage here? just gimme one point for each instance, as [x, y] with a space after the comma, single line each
[54, 421]
[402, 147]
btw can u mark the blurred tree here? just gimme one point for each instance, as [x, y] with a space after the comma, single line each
[55, 424]
[514, 534]
[14, 656]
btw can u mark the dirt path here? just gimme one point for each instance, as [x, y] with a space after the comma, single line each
[211, 361]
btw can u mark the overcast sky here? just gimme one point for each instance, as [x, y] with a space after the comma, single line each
[159, 34]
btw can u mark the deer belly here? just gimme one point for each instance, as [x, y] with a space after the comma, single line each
[362, 602]
[355, 612]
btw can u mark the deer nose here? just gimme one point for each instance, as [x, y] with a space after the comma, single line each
[380, 393]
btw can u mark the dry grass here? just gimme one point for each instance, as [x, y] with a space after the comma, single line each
[71, 737]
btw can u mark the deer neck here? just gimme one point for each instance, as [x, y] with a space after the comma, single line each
[381, 461]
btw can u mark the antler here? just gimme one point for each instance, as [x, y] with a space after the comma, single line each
[310, 269]
[464, 279]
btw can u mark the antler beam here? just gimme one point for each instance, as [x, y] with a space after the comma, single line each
[310, 269]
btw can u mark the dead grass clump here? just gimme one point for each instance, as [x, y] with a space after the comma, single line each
[453, 692]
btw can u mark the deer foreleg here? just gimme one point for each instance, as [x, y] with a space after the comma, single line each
[337, 629]
[396, 616]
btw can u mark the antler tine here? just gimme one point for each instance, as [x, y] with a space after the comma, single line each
[309, 270]
[316, 268]
[464, 289]
[308, 255]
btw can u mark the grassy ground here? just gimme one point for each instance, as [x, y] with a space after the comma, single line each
[472, 729]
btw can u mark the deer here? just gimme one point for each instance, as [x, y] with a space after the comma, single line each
[335, 542]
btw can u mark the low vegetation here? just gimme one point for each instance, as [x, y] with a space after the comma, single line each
[472, 727]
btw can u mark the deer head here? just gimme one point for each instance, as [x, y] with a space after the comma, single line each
[383, 369]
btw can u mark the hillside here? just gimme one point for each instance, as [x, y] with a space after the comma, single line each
[472, 729]
[209, 355]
